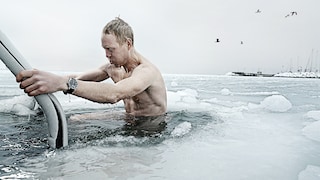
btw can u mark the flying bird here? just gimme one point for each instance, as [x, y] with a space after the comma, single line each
[258, 11]
[218, 40]
[292, 13]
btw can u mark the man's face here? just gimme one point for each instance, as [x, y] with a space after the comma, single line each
[115, 52]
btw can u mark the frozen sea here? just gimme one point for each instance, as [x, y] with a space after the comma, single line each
[218, 127]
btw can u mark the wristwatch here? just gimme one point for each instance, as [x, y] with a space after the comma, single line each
[72, 85]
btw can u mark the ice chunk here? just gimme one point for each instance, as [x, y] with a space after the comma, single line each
[173, 97]
[19, 105]
[312, 131]
[185, 99]
[310, 173]
[188, 92]
[276, 103]
[22, 110]
[181, 129]
[174, 83]
[313, 115]
[225, 92]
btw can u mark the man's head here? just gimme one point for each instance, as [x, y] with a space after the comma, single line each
[117, 41]
[120, 29]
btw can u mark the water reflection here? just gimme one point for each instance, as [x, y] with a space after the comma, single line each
[145, 126]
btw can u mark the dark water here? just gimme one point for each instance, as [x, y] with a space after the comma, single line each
[26, 137]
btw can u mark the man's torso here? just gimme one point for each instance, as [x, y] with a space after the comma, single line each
[150, 102]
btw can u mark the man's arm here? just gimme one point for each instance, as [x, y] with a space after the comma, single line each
[139, 81]
[97, 75]
[35, 82]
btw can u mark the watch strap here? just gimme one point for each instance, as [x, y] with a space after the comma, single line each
[72, 85]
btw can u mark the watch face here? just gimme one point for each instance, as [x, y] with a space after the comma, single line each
[73, 83]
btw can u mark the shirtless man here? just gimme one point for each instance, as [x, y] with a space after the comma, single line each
[136, 80]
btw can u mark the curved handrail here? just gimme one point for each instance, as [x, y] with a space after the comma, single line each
[57, 125]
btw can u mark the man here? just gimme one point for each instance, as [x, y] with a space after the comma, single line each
[136, 80]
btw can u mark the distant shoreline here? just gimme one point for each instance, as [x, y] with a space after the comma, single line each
[284, 74]
[299, 74]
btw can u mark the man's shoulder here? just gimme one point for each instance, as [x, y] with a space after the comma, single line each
[146, 68]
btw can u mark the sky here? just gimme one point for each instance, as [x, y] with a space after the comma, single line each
[178, 36]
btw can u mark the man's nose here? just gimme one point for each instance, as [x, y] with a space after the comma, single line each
[108, 55]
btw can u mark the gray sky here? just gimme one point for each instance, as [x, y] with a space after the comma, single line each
[177, 35]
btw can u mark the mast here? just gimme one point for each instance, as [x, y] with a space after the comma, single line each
[310, 59]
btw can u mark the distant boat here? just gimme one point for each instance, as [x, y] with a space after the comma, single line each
[310, 71]
[257, 74]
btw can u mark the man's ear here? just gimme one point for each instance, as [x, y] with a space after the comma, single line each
[129, 42]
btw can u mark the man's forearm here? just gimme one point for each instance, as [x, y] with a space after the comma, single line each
[93, 75]
[97, 92]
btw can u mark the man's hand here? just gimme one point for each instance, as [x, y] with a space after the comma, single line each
[35, 82]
